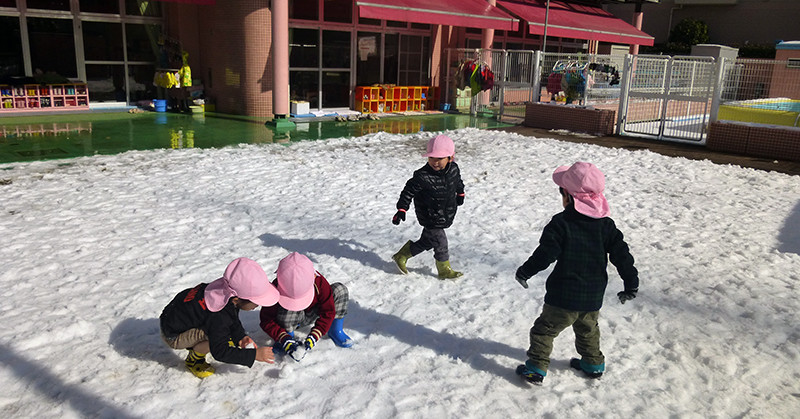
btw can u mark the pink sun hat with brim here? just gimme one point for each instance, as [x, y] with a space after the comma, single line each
[296, 282]
[243, 278]
[440, 146]
[585, 182]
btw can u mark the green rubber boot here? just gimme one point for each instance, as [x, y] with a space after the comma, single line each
[401, 257]
[445, 271]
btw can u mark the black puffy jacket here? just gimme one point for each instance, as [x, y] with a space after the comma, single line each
[434, 195]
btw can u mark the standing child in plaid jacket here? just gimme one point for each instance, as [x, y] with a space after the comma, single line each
[437, 191]
[581, 240]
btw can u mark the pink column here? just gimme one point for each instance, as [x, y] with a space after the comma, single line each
[488, 34]
[280, 58]
[487, 39]
[637, 23]
[437, 39]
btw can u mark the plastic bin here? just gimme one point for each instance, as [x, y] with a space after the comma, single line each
[160, 105]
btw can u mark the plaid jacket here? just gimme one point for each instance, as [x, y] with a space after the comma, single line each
[581, 246]
[323, 305]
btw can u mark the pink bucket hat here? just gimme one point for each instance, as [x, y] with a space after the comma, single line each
[585, 182]
[243, 278]
[440, 146]
[296, 282]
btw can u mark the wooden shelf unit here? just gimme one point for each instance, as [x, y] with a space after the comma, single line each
[44, 97]
[385, 99]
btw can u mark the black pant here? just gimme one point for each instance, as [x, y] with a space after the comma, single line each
[432, 238]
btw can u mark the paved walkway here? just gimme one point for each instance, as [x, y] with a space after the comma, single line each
[666, 148]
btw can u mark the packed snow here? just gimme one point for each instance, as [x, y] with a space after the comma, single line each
[93, 248]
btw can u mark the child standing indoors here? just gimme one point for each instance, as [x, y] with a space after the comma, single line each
[437, 192]
[206, 318]
[306, 298]
[581, 239]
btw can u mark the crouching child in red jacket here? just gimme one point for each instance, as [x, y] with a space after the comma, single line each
[306, 298]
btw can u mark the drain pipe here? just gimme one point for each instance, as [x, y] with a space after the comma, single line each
[669, 21]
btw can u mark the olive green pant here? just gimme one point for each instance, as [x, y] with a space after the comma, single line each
[553, 321]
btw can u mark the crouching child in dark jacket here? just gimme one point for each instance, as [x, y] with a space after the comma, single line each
[205, 318]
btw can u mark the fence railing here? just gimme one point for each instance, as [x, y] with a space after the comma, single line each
[761, 91]
[758, 91]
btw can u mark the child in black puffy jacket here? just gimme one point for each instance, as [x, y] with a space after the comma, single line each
[437, 191]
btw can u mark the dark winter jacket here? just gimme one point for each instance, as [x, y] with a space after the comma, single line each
[582, 246]
[434, 195]
[322, 305]
[188, 311]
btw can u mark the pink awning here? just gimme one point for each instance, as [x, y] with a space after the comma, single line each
[567, 20]
[466, 13]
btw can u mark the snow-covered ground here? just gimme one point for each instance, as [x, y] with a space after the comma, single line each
[93, 248]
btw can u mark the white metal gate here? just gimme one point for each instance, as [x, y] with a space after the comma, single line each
[668, 98]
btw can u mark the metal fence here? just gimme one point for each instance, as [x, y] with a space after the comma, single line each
[761, 91]
[668, 98]
[525, 76]
[666, 90]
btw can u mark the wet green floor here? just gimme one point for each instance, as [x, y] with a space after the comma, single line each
[41, 137]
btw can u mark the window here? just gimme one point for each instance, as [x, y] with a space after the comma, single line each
[304, 9]
[52, 46]
[142, 8]
[49, 4]
[336, 89]
[142, 42]
[414, 60]
[11, 62]
[368, 58]
[140, 82]
[390, 58]
[336, 49]
[303, 47]
[338, 11]
[100, 6]
[793, 63]
[106, 83]
[304, 86]
[102, 41]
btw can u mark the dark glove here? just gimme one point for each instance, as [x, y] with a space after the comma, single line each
[627, 295]
[310, 342]
[523, 282]
[460, 199]
[290, 347]
[400, 215]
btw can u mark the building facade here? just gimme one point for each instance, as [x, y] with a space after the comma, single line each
[118, 46]
[730, 22]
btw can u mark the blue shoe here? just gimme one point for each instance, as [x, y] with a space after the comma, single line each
[591, 371]
[531, 374]
[338, 336]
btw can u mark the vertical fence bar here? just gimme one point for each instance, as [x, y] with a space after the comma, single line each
[625, 86]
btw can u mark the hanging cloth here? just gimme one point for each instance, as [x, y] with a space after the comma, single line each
[474, 81]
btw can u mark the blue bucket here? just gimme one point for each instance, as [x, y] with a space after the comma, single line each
[160, 104]
[444, 107]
